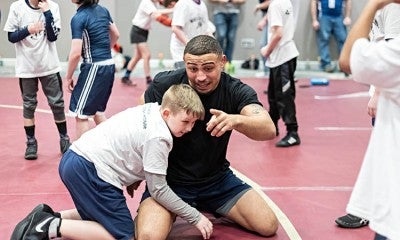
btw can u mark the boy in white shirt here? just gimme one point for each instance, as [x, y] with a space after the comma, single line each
[33, 26]
[131, 146]
[281, 53]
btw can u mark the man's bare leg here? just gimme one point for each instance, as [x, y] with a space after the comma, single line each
[253, 213]
[152, 215]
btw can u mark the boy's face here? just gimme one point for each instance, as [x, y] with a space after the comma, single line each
[180, 123]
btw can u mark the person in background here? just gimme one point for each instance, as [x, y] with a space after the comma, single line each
[262, 26]
[329, 17]
[121, 60]
[141, 25]
[281, 53]
[33, 26]
[226, 21]
[386, 26]
[190, 19]
[375, 195]
[93, 36]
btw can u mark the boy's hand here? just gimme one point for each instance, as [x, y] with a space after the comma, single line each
[205, 227]
[44, 5]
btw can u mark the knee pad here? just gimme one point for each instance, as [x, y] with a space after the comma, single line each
[29, 108]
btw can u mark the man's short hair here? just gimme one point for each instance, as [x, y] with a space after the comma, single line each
[203, 44]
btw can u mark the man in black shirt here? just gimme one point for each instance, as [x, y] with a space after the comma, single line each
[198, 170]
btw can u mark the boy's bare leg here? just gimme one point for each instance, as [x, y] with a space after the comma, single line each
[83, 230]
[82, 126]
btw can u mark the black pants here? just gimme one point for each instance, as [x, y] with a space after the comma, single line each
[281, 94]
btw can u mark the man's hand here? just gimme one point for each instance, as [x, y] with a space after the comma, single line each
[220, 123]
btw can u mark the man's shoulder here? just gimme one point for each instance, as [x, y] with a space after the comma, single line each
[171, 74]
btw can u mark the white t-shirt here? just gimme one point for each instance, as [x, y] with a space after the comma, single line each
[280, 13]
[127, 144]
[376, 194]
[386, 23]
[142, 17]
[35, 55]
[193, 18]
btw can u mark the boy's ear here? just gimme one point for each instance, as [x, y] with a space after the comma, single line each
[165, 113]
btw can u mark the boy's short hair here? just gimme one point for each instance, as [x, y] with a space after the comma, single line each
[183, 97]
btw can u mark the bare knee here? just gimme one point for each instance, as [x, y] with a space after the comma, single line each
[269, 228]
[152, 214]
[148, 234]
[253, 213]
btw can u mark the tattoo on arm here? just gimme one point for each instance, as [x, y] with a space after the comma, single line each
[256, 109]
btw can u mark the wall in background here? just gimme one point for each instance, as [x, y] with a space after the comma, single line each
[124, 10]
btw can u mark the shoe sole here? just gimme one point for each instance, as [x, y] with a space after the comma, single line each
[21, 227]
[31, 157]
[290, 145]
[350, 225]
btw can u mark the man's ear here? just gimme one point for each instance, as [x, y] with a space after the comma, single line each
[223, 60]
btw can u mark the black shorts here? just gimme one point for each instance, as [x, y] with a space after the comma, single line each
[138, 35]
[217, 197]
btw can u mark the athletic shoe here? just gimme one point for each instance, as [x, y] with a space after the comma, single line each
[127, 81]
[31, 149]
[351, 221]
[21, 229]
[291, 139]
[329, 69]
[64, 144]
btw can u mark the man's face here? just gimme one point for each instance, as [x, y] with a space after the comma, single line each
[204, 71]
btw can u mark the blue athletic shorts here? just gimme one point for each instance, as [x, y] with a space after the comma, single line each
[217, 197]
[95, 199]
[92, 90]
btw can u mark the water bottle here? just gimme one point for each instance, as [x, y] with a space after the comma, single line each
[319, 81]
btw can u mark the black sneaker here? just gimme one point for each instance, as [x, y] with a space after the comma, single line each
[21, 231]
[291, 139]
[31, 149]
[127, 81]
[64, 144]
[351, 221]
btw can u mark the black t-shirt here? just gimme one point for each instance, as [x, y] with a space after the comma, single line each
[198, 157]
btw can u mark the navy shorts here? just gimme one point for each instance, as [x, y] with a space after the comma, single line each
[95, 199]
[216, 197]
[92, 90]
